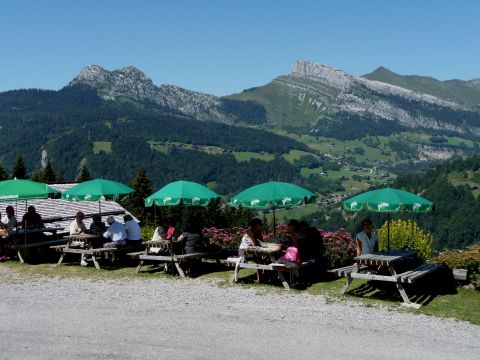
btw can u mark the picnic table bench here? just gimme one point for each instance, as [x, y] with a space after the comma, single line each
[163, 251]
[270, 255]
[370, 266]
[83, 244]
[22, 244]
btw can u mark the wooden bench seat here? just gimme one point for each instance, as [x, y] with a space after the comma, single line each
[411, 276]
[176, 259]
[43, 243]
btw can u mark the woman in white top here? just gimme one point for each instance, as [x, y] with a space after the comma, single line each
[252, 235]
[366, 240]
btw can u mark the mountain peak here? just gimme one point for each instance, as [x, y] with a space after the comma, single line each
[334, 76]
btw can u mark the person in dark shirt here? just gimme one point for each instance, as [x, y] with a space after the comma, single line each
[32, 220]
[192, 238]
[313, 242]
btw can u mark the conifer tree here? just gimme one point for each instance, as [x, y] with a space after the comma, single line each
[48, 173]
[143, 188]
[59, 177]
[37, 175]
[84, 174]
[19, 170]
[3, 173]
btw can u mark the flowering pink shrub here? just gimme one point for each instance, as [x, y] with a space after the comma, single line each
[339, 249]
[280, 231]
[224, 237]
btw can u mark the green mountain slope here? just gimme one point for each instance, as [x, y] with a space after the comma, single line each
[463, 92]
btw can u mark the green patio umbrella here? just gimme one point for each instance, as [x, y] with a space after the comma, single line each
[187, 192]
[19, 189]
[273, 195]
[183, 192]
[97, 190]
[388, 200]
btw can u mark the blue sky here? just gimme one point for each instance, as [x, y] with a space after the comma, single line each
[222, 47]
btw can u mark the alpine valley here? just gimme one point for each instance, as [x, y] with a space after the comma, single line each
[318, 126]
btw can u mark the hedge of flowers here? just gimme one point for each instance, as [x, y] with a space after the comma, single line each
[339, 248]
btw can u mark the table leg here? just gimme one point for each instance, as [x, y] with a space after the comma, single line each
[20, 256]
[349, 279]
[179, 268]
[95, 262]
[61, 259]
[400, 287]
[282, 279]
[139, 267]
[234, 277]
[348, 282]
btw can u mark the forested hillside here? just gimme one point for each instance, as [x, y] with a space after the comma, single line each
[71, 124]
[452, 186]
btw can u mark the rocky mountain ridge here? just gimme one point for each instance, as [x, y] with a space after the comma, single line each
[312, 97]
[129, 83]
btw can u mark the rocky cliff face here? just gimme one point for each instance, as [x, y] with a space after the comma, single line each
[130, 83]
[362, 96]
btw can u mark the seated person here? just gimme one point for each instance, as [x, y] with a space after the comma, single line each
[9, 221]
[313, 242]
[132, 228]
[116, 233]
[31, 219]
[77, 226]
[366, 240]
[172, 233]
[192, 238]
[251, 238]
[97, 227]
[159, 233]
[252, 235]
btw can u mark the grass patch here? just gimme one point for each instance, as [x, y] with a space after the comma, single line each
[99, 146]
[247, 155]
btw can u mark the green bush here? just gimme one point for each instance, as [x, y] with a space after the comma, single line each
[406, 235]
[461, 259]
[147, 232]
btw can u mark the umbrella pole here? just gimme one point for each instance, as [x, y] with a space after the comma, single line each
[388, 232]
[99, 208]
[274, 225]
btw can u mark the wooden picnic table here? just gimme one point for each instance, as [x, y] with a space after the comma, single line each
[260, 258]
[82, 244]
[167, 251]
[20, 237]
[400, 267]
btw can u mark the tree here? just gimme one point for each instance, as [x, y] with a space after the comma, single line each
[84, 174]
[59, 177]
[19, 170]
[37, 175]
[143, 188]
[48, 173]
[3, 173]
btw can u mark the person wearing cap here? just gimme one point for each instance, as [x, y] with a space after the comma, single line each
[366, 240]
[116, 233]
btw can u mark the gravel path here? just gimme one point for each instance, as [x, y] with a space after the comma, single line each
[47, 318]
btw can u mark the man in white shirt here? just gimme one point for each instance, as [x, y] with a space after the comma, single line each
[132, 228]
[116, 233]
